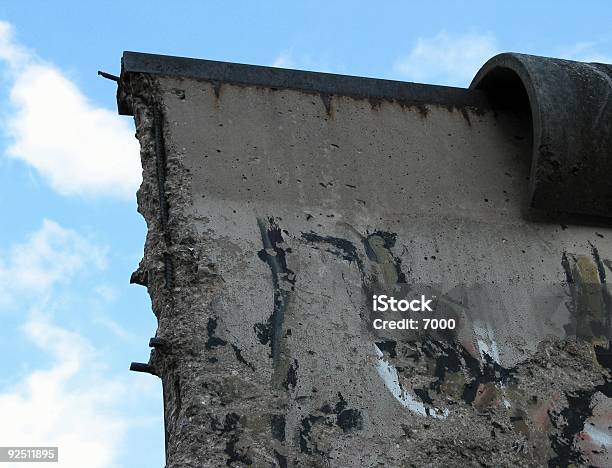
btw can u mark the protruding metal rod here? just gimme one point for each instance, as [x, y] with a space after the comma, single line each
[157, 342]
[142, 367]
[140, 277]
[108, 76]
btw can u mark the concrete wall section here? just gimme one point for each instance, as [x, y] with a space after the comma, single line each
[276, 214]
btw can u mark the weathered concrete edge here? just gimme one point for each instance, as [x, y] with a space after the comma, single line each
[313, 82]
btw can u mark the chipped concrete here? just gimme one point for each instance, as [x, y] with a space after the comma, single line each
[273, 216]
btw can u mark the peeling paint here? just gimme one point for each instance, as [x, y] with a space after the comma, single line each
[389, 376]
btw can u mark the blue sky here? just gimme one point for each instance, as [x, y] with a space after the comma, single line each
[70, 234]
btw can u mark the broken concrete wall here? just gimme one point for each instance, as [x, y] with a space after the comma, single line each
[279, 202]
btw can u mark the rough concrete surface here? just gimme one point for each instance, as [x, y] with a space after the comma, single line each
[273, 217]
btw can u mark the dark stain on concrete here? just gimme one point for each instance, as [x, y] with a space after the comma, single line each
[213, 341]
[423, 395]
[600, 266]
[448, 358]
[347, 418]
[230, 426]
[342, 248]
[304, 434]
[422, 109]
[168, 270]
[388, 346]
[176, 383]
[230, 423]
[570, 421]
[327, 102]
[283, 281]
[292, 375]
[375, 102]
[489, 372]
[277, 426]
[340, 405]
[454, 358]
[263, 331]
[567, 268]
[233, 454]
[605, 292]
[466, 115]
[350, 420]
[604, 355]
[216, 85]
[281, 459]
[241, 358]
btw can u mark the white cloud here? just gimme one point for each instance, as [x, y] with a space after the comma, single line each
[448, 59]
[283, 60]
[115, 328]
[320, 63]
[66, 405]
[586, 52]
[50, 255]
[74, 402]
[79, 148]
[106, 293]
